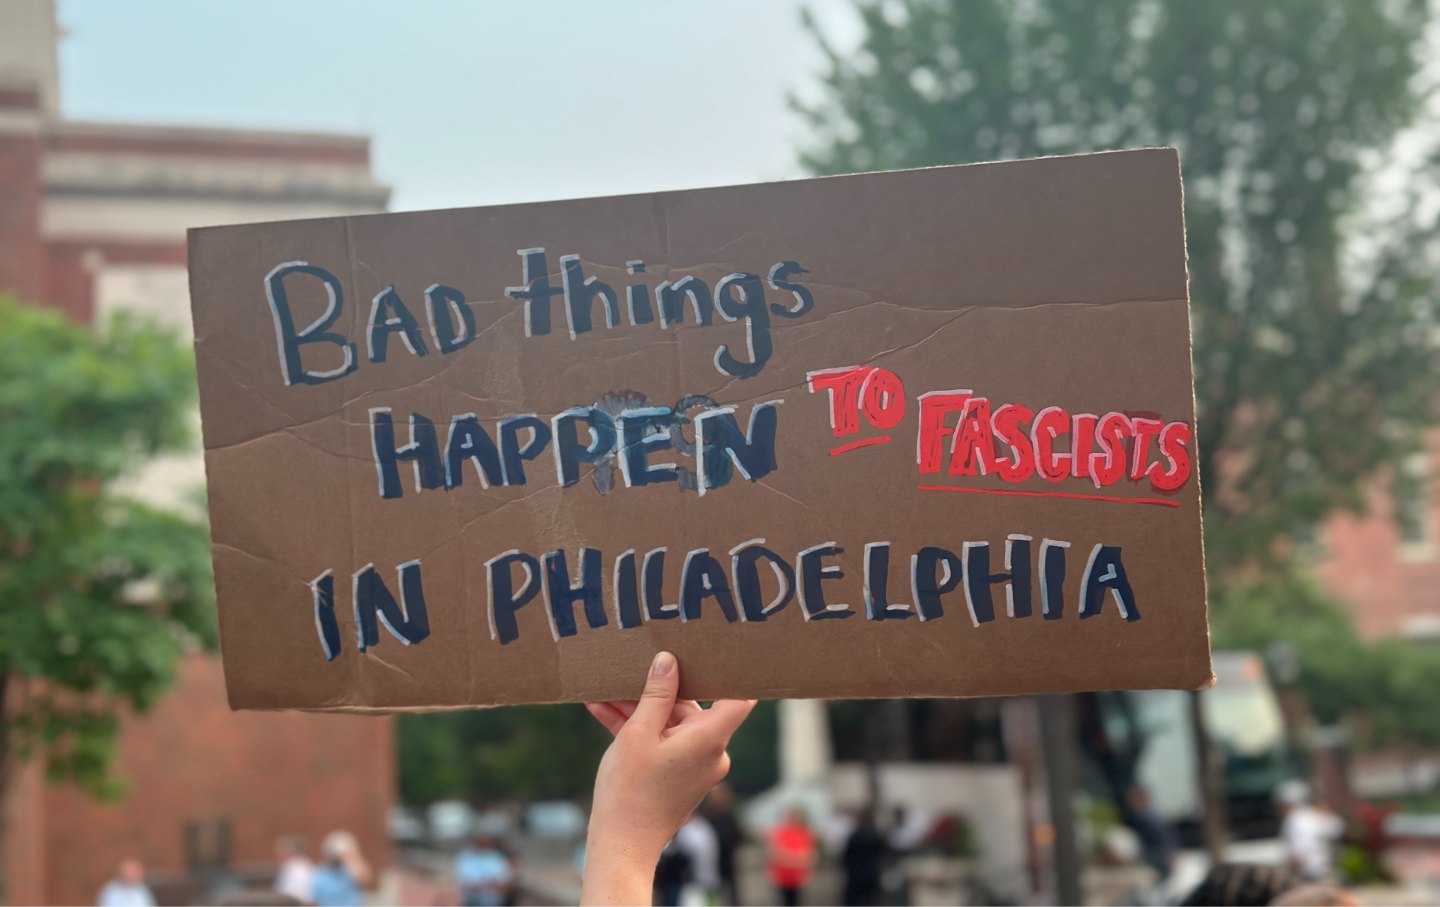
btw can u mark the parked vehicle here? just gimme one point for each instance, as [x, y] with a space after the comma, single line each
[1151, 730]
[495, 823]
[405, 827]
[451, 822]
[555, 819]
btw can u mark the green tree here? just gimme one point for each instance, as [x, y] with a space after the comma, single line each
[1383, 691]
[1313, 313]
[538, 752]
[99, 593]
[524, 753]
[1337, 673]
[1313, 316]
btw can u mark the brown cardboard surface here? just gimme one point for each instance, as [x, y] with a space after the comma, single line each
[1053, 283]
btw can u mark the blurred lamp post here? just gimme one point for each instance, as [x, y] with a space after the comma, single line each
[805, 755]
[1059, 746]
[1211, 781]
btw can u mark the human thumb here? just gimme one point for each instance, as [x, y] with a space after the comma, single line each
[652, 713]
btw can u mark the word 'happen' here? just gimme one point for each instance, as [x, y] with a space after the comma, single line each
[577, 437]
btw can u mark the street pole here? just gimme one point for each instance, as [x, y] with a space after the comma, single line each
[1211, 781]
[1058, 743]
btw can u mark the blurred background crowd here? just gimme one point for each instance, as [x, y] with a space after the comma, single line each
[1308, 133]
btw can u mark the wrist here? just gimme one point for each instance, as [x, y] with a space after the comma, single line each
[633, 836]
[617, 871]
[621, 851]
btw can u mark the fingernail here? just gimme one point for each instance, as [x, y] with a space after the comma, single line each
[663, 664]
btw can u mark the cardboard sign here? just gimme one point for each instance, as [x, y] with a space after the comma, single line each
[925, 433]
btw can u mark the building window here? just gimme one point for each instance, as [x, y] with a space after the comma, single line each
[1422, 628]
[207, 845]
[1415, 508]
[1308, 538]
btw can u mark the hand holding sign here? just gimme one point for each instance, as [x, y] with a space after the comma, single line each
[666, 756]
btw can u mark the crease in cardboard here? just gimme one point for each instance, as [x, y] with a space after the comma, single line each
[673, 341]
[358, 672]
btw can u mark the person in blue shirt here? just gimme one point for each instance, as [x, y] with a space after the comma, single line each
[333, 886]
[484, 873]
[333, 883]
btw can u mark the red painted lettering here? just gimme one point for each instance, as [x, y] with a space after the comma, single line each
[1083, 427]
[1050, 423]
[844, 386]
[1112, 432]
[882, 398]
[1173, 439]
[1007, 425]
[1145, 429]
[930, 442]
[972, 450]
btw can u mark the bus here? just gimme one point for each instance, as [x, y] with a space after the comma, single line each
[1145, 738]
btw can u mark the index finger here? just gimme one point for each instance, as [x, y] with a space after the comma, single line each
[725, 716]
[684, 709]
[608, 715]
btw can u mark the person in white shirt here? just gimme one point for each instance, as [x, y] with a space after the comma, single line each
[1310, 833]
[296, 874]
[697, 839]
[128, 888]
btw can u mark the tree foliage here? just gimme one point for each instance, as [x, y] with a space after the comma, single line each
[486, 755]
[99, 594]
[1314, 323]
[538, 752]
[1383, 691]
[1315, 346]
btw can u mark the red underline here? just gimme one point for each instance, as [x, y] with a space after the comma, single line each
[855, 445]
[1053, 494]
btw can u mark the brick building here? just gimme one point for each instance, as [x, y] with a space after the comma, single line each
[92, 220]
[1385, 563]
[209, 791]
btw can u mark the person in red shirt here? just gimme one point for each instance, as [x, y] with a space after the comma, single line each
[792, 856]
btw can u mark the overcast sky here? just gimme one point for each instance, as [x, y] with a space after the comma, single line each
[469, 103]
